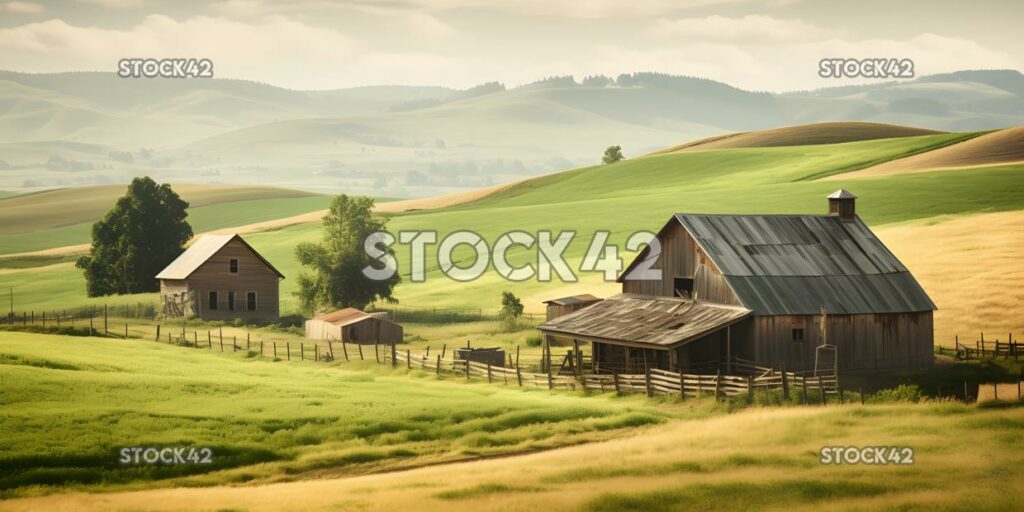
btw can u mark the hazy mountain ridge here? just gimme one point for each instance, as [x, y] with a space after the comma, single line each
[412, 141]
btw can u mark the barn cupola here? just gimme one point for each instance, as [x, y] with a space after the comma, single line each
[842, 204]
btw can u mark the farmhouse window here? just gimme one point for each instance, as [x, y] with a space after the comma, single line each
[798, 334]
[250, 301]
[682, 287]
[231, 301]
[212, 301]
[233, 264]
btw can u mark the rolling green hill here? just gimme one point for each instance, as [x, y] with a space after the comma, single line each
[57, 218]
[637, 194]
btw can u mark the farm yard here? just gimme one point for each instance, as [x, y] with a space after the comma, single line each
[303, 424]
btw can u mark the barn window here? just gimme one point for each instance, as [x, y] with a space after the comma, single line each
[250, 301]
[212, 301]
[231, 301]
[798, 334]
[682, 287]
[233, 264]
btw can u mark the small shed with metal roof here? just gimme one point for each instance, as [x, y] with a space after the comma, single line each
[354, 326]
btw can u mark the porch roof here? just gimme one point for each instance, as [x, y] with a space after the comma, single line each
[643, 320]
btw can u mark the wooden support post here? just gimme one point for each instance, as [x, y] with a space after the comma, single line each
[728, 350]
[376, 353]
[785, 384]
[360, 346]
[344, 350]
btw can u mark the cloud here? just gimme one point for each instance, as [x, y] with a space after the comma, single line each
[23, 7]
[274, 50]
[751, 28]
[113, 4]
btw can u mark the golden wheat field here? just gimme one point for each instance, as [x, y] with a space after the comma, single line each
[976, 279]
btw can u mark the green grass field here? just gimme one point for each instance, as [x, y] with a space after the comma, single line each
[638, 194]
[56, 218]
[69, 403]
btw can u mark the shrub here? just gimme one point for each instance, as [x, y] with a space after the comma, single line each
[901, 393]
[535, 341]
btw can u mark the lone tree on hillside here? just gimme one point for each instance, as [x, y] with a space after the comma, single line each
[338, 261]
[139, 236]
[612, 154]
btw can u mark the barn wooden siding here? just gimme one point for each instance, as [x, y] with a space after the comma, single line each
[880, 341]
[680, 256]
[253, 276]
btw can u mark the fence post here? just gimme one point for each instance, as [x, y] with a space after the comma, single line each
[106, 331]
[718, 383]
[519, 378]
[261, 348]
[376, 353]
[275, 349]
[438, 364]
[316, 353]
[803, 390]
[157, 332]
[302, 351]
[967, 400]
[221, 333]
[647, 381]
[467, 368]
[288, 349]
[821, 390]
[862, 395]
[408, 359]
[360, 347]
[444, 348]
[488, 373]
[195, 336]
[785, 384]
[344, 350]
[394, 361]
[750, 387]
[126, 330]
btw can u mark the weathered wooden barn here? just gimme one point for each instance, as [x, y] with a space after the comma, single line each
[566, 305]
[764, 288]
[220, 277]
[354, 326]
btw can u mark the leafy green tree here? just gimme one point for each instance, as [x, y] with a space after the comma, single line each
[338, 261]
[612, 154]
[511, 306]
[135, 240]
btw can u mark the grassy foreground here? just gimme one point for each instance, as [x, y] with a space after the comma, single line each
[69, 404]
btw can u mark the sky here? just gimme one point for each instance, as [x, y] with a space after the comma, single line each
[773, 45]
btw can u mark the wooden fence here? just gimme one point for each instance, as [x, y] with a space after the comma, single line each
[987, 349]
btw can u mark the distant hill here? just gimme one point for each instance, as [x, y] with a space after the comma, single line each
[803, 135]
[72, 129]
[997, 148]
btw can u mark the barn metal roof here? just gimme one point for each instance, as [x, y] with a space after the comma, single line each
[797, 264]
[575, 299]
[659, 322]
[201, 250]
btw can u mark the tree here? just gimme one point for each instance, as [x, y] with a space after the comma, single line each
[612, 154]
[338, 261]
[511, 310]
[143, 233]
